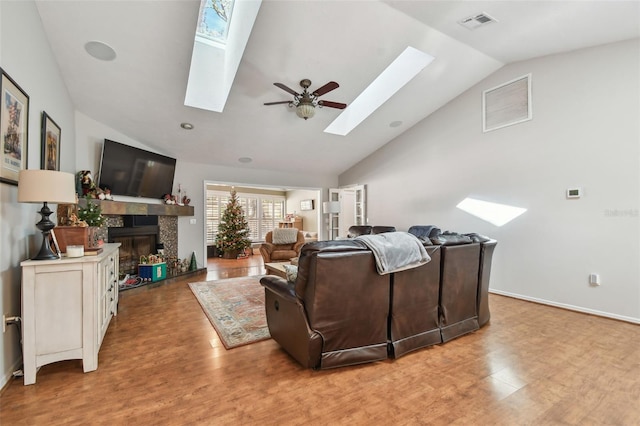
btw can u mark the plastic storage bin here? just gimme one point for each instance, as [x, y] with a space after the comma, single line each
[153, 272]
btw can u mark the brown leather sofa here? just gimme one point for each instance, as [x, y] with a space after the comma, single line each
[280, 252]
[340, 311]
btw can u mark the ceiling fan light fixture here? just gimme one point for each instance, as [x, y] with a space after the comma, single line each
[305, 110]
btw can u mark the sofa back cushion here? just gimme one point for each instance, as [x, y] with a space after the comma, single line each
[357, 230]
[382, 229]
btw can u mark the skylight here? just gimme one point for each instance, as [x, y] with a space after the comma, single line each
[217, 51]
[495, 213]
[393, 78]
[214, 20]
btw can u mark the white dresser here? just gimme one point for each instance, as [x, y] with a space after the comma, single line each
[67, 305]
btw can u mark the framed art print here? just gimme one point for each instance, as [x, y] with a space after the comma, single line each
[14, 123]
[51, 132]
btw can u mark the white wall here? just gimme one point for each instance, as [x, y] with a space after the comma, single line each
[25, 55]
[309, 217]
[584, 133]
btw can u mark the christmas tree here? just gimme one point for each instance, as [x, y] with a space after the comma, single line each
[233, 230]
[92, 214]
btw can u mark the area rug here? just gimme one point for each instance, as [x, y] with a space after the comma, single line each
[235, 307]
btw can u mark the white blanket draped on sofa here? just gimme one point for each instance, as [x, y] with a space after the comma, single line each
[395, 251]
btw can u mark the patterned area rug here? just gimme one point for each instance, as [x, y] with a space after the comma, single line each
[235, 307]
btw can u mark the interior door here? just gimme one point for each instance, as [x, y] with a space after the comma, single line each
[347, 211]
[353, 209]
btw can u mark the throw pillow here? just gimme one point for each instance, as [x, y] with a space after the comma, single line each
[291, 272]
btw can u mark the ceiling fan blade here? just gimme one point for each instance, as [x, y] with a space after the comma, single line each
[276, 103]
[332, 85]
[332, 104]
[286, 89]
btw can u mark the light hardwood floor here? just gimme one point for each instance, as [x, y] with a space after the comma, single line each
[162, 363]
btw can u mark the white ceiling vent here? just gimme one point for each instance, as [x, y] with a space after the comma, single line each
[475, 21]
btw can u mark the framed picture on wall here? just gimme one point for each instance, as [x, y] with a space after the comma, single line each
[51, 133]
[14, 123]
[306, 205]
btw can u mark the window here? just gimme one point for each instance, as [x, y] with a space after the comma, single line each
[214, 20]
[215, 207]
[261, 212]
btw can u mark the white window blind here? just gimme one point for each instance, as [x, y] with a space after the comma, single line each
[261, 212]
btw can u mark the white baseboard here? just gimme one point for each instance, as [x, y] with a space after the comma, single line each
[7, 376]
[566, 306]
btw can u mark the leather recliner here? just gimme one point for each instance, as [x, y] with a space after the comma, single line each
[335, 314]
[414, 318]
[280, 252]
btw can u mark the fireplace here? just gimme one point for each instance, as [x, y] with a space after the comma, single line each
[135, 241]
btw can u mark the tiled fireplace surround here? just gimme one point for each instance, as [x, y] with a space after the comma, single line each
[167, 234]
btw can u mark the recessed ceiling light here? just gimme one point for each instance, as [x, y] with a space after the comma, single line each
[100, 50]
[245, 159]
[186, 126]
[406, 66]
[396, 123]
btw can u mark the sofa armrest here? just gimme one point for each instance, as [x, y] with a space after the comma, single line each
[279, 286]
[268, 247]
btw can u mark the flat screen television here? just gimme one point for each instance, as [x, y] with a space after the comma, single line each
[134, 172]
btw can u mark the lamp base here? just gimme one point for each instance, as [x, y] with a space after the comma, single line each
[45, 225]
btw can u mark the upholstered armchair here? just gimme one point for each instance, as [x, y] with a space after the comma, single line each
[284, 246]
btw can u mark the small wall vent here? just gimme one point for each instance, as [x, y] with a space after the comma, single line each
[475, 21]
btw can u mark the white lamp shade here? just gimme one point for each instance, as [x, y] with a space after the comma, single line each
[39, 186]
[331, 207]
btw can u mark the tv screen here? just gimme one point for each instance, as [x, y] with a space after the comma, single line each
[135, 172]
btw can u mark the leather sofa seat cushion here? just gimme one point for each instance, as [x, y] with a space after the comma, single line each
[283, 254]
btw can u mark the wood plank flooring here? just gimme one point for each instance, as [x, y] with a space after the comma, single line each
[162, 363]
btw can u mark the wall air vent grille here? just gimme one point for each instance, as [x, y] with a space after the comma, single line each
[475, 21]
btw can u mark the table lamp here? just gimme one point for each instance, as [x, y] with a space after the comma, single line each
[46, 186]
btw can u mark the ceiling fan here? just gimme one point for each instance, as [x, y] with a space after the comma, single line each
[305, 102]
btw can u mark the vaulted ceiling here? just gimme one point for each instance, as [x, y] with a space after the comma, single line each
[141, 93]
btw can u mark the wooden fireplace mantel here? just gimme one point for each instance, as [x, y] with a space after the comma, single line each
[145, 209]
